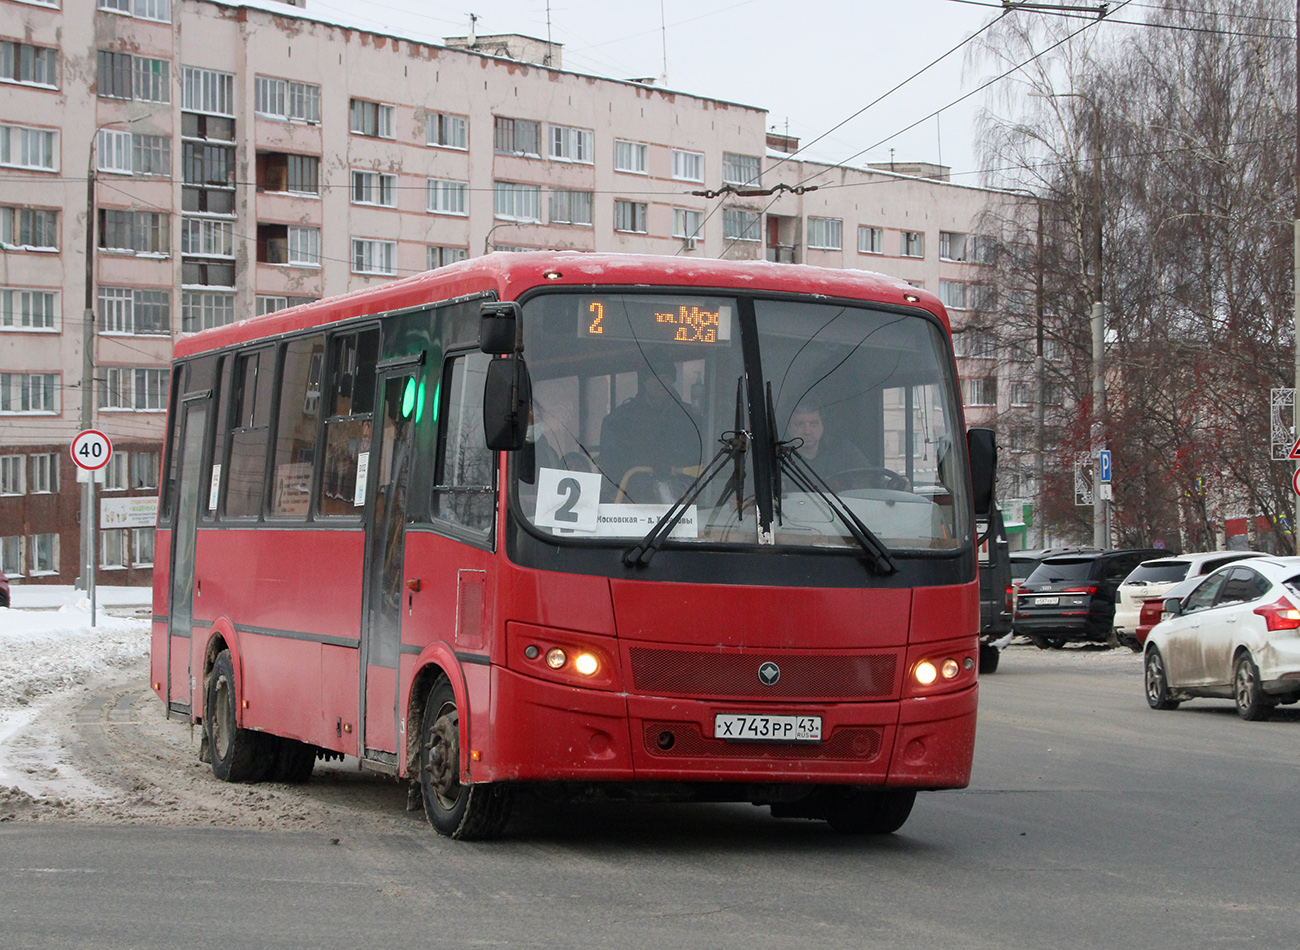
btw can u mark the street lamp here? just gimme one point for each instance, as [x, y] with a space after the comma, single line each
[88, 518]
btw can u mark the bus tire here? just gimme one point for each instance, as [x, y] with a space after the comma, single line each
[238, 755]
[294, 761]
[868, 811]
[463, 812]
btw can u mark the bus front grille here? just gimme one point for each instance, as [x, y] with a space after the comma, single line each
[802, 675]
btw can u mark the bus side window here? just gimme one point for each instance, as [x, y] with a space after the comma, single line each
[463, 491]
[167, 502]
[295, 431]
[250, 427]
[349, 410]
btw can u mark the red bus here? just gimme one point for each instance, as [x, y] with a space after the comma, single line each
[592, 525]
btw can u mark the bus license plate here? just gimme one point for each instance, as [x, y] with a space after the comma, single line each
[743, 727]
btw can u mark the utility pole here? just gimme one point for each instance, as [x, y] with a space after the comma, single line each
[1295, 519]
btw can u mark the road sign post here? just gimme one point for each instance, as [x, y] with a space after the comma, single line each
[91, 451]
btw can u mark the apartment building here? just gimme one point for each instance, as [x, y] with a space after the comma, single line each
[232, 161]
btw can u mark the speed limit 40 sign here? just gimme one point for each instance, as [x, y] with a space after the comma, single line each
[91, 450]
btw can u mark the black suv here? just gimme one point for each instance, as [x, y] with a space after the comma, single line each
[1072, 596]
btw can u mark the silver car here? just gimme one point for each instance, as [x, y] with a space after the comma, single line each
[1156, 577]
[1235, 636]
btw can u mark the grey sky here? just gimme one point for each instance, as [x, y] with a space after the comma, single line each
[810, 65]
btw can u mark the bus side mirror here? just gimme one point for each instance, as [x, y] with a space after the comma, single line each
[498, 326]
[507, 402]
[982, 447]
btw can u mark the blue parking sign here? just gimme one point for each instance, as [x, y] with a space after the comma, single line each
[1103, 465]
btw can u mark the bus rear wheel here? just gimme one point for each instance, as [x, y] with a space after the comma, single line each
[464, 812]
[238, 755]
[868, 811]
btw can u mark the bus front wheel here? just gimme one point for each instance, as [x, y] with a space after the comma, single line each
[465, 812]
[238, 755]
[868, 811]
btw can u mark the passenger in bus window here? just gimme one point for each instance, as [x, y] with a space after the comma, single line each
[649, 439]
[826, 457]
[538, 452]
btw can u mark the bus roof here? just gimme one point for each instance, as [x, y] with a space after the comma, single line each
[511, 273]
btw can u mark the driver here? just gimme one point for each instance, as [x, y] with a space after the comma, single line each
[654, 429]
[827, 458]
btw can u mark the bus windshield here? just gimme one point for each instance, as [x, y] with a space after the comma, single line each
[636, 397]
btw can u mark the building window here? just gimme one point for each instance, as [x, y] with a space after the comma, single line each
[112, 547]
[741, 225]
[287, 101]
[44, 550]
[513, 201]
[29, 392]
[516, 137]
[374, 257]
[1022, 393]
[440, 256]
[447, 131]
[160, 10]
[952, 246]
[207, 90]
[208, 163]
[115, 472]
[1053, 394]
[871, 240]
[13, 475]
[142, 545]
[571, 207]
[304, 246]
[270, 303]
[976, 344]
[448, 197]
[34, 65]
[740, 169]
[31, 229]
[124, 76]
[1053, 350]
[630, 216]
[140, 232]
[373, 119]
[294, 174]
[45, 473]
[630, 157]
[912, 244]
[11, 556]
[825, 233]
[144, 470]
[374, 188]
[688, 166]
[953, 294]
[133, 388]
[979, 392]
[688, 224]
[28, 309]
[21, 147]
[288, 244]
[203, 309]
[571, 145]
[134, 311]
[207, 237]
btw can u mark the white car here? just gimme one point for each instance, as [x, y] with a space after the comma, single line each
[1153, 578]
[1235, 636]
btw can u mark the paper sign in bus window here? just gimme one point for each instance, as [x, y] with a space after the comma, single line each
[363, 469]
[567, 501]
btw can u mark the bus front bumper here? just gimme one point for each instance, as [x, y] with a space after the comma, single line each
[566, 734]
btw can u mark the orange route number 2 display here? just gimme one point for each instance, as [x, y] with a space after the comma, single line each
[657, 320]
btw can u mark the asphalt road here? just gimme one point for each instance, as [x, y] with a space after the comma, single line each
[1091, 822]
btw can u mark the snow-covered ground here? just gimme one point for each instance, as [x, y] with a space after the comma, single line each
[47, 646]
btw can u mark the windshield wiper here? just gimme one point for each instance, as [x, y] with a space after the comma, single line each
[734, 446]
[796, 467]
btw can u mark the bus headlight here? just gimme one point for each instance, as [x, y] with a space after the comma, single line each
[586, 664]
[950, 669]
[556, 658]
[925, 673]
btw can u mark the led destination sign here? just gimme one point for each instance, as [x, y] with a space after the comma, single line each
[654, 319]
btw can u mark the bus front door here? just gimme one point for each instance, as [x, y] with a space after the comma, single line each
[389, 471]
[180, 608]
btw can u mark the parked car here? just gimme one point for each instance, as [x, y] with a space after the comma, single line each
[1072, 596]
[1152, 579]
[4, 590]
[995, 589]
[1024, 562]
[1235, 636]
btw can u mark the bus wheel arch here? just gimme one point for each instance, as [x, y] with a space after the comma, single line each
[221, 637]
